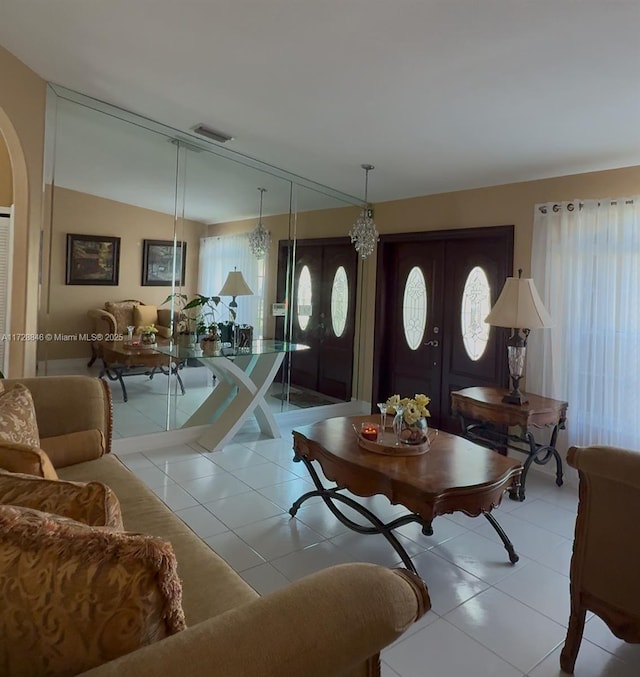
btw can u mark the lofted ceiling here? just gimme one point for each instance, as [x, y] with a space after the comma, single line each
[440, 95]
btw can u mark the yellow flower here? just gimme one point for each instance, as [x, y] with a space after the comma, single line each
[414, 408]
[148, 329]
[392, 403]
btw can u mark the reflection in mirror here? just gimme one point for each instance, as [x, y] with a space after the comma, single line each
[110, 257]
[328, 372]
[143, 231]
[304, 298]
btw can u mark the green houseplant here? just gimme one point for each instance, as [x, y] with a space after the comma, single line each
[198, 319]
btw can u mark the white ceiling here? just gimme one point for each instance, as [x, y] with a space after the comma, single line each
[440, 95]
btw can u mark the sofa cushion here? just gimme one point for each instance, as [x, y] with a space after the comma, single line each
[91, 503]
[164, 322]
[76, 596]
[83, 445]
[122, 311]
[143, 316]
[23, 459]
[19, 439]
[18, 417]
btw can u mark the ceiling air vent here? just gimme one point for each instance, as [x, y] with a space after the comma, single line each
[212, 134]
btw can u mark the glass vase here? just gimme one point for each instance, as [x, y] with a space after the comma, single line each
[412, 433]
[148, 338]
[398, 422]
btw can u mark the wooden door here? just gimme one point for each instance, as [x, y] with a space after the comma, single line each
[323, 298]
[433, 292]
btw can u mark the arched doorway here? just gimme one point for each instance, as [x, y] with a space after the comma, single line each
[23, 301]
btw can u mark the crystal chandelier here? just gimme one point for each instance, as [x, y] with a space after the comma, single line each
[260, 238]
[363, 232]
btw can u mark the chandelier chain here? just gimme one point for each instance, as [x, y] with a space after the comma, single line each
[260, 237]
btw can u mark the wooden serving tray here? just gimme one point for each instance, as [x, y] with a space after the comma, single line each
[388, 445]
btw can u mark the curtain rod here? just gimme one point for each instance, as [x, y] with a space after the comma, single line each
[571, 206]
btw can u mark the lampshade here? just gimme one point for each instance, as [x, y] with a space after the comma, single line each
[235, 285]
[519, 306]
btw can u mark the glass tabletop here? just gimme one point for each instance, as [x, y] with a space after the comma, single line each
[258, 347]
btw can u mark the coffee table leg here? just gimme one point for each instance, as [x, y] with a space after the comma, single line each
[513, 557]
[115, 374]
[379, 527]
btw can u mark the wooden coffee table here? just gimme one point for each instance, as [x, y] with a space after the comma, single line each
[453, 475]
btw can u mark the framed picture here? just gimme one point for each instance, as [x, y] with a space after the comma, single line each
[157, 263]
[92, 259]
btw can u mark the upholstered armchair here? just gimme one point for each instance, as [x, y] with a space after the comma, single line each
[605, 566]
[116, 316]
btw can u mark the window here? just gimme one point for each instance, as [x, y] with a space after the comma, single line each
[218, 257]
[339, 301]
[303, 301]
[474, 307]
[414, 308]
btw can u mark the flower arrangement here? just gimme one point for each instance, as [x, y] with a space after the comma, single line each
[413, 408]
[148, 329]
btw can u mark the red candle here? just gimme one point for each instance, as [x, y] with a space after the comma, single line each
[369, 431]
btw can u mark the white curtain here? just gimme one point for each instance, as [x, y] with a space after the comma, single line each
[586, 265]
[220, 255]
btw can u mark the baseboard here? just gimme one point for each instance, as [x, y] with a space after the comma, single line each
[285, 419]
[151, 441]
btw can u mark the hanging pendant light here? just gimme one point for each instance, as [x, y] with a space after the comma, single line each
[260, 238]
[363, 232]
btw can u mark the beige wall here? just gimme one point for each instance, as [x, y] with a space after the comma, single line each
[22, 106]
[65, 307]
[6, 176]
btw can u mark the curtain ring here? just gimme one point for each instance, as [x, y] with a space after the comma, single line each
[543, 209]
[556, 208]
[570, 207]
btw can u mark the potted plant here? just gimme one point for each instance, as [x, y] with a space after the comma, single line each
[208, 328]
[198, 319]
[185, 318]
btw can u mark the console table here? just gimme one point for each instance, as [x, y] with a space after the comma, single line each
[244, 376]
[486, 419]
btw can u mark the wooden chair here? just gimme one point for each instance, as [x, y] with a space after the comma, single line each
[605, 566]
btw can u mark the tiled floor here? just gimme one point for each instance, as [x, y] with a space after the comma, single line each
[488, 617]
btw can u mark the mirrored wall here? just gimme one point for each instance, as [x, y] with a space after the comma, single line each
[143, 227]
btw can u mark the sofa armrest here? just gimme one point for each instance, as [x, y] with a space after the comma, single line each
[613, 463]
[103, 321]
[70, 404]
[331, 623]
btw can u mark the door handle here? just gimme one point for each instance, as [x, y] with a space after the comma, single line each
[433, 342]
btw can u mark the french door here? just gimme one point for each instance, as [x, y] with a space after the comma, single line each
[323, 314]
[433, 292]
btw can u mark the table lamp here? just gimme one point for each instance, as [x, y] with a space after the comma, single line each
[520, 308]
[235, 285]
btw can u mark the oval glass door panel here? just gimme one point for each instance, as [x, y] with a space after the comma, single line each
[414, 308]
[476, 304]
[339, 301]
[303, 302]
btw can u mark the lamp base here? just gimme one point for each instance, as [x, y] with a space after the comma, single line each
[515, 397]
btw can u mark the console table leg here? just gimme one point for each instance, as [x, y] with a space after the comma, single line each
[513, 557]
